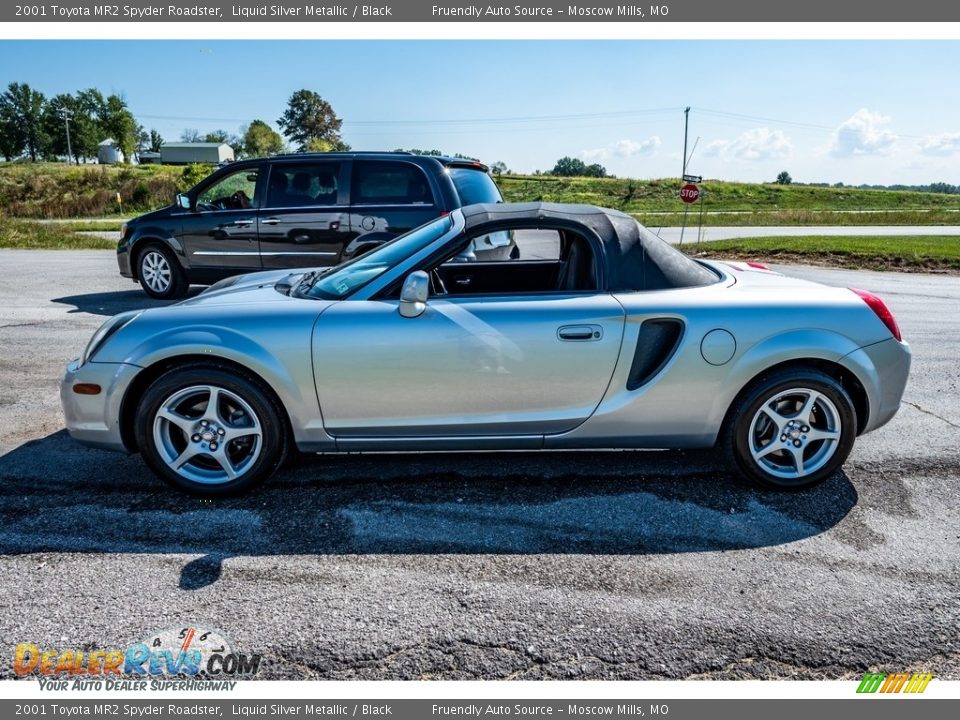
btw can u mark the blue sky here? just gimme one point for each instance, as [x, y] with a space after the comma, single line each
[850, 111]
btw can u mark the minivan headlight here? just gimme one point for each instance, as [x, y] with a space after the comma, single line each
[105, 331]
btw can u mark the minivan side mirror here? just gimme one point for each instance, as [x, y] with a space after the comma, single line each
[414, 294]
[183, 201]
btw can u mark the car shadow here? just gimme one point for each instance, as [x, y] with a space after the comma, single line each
[60, 497]
[111, 303]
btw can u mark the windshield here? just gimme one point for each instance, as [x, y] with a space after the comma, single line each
[474, 186]
[352, 275]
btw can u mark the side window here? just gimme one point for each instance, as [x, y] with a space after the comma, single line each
[389, 183]
[519, 261]
[232, 192]
[303, 185]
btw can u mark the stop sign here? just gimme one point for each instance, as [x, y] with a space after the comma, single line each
[689, 193]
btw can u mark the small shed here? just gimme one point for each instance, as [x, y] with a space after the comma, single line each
[109, 153]
[195, 152]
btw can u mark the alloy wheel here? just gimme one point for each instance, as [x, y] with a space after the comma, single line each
[207, 434]
[794, 433]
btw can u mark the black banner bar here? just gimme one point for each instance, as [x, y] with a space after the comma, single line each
[529, 11]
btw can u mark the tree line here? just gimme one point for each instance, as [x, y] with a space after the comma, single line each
[35, 127]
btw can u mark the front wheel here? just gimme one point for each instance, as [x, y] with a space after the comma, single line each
[792, 429]
[210, 431]
[160, 274]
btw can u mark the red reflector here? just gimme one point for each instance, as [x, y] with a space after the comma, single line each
[758, 266]
[881, 310]
[87, 389]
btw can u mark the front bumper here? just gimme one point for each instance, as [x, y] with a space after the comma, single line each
[94, 420]
[123, 259]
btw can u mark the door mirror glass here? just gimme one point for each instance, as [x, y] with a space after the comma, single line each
[414, 294]
[183, 201]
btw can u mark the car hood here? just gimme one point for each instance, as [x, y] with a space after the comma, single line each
[252, 287]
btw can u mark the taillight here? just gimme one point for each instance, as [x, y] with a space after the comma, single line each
[881, 310]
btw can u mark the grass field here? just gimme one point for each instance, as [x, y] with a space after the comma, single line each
[23, 234]
[51, 190]
[783, 204]
[905, 253]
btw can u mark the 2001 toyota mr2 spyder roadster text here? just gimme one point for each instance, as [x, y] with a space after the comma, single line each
[599, 335]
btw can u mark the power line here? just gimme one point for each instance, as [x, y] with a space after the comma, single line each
[66, 114]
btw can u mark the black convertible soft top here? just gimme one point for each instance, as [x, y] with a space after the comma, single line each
[634, 258]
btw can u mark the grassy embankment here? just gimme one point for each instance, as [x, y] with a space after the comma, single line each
[911, 253]
[59, 192]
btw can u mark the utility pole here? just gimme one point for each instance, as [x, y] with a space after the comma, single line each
[686, 127]
[66, 114]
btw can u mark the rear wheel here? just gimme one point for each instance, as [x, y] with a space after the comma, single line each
[210, 431]
[160, 274]
[791, 429]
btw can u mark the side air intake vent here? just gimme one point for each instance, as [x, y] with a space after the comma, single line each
[657, 342]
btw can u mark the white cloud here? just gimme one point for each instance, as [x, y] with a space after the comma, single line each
[595, 154]
[754, 145]
[863, 133]
[628, 148]
[622, 148]
[942, 144]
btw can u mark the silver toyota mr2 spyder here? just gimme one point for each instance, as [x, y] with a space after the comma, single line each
[598, 335]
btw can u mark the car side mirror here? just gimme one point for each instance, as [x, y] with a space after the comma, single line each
[414, 294]
[183, 201]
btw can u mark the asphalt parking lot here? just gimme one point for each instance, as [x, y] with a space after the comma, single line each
[573, 565]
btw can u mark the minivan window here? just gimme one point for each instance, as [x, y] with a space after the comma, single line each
[474, 186]
[389, 183]
[303, 184]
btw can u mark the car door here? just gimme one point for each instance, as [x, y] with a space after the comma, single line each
[477, 366]
[304, 221]
[220, 231]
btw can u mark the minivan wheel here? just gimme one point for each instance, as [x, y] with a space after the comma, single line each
[160, 274]
[791, 429]
[210, 431]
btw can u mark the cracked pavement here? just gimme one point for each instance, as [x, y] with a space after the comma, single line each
[567, 565]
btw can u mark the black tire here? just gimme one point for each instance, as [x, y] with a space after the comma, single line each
[252, 460]
[160, 274]
[833, 415]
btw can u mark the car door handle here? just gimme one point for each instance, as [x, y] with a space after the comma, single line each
[271, 221]
[241, 223]
[582, 333]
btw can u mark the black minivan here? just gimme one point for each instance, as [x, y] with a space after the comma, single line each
[301, 210]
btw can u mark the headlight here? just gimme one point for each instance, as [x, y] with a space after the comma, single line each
[105, 331]
[123, 231]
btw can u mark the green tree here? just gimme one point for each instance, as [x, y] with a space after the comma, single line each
[118, 122]
[55, 128]
[784, 178]
[310, 121]
[499, 168]
[156, 141]
[595, 170]
[86, 127]
[216, 136]
[569, 167]
[321, 145]
[23, 107]
[11, 139]
[259, 140]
